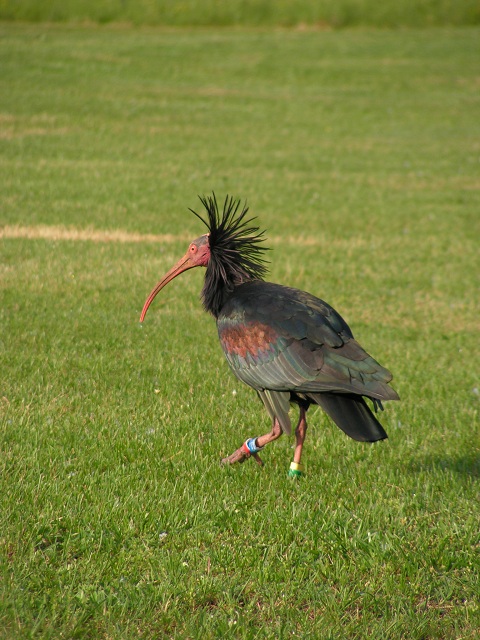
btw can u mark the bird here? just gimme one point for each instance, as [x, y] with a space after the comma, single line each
[291, 347]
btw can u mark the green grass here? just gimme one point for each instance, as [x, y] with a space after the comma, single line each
[358, 150]
[323, 13]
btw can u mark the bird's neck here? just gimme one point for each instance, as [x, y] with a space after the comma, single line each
[218, 287]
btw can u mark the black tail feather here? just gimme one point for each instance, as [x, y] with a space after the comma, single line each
[352, 415]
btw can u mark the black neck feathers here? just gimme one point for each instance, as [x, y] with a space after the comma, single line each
[236, 252]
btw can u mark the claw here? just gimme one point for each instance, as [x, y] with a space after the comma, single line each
[240, 456]
[258, 460]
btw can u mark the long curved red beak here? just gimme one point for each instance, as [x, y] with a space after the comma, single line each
[182, 265]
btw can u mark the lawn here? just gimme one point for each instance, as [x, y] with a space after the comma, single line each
[359, 152]
[334, 13]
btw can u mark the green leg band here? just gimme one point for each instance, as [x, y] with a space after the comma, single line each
[296, 470]
[293, 473]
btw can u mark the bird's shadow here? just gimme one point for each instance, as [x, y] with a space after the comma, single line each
[466, 465]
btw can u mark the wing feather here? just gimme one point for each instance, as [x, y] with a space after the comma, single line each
[280, 340]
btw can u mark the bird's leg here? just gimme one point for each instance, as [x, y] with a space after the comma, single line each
[274, 434]
[296, 468]
[240, 455]
[300, 433]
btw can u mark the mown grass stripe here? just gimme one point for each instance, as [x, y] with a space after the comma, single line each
[59, 233]
[47, 232]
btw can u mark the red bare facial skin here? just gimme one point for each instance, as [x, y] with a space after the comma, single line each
[198, 255]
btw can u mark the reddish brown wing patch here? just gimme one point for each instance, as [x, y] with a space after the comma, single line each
[246, 339]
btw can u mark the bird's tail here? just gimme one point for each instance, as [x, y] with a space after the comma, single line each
[351, 414]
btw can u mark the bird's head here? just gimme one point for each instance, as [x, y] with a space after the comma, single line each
[230, 252]
[198, 255]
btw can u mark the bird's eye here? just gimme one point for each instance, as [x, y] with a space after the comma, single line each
[193, 248]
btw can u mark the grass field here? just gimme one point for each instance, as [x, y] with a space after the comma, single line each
[359, 152]
[332, 13]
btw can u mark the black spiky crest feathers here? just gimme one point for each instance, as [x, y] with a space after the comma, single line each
[236, 254]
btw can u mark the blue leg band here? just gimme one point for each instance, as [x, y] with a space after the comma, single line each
[251, 446]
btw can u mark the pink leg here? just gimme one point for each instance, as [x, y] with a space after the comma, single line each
[300, 433]
[240, 455]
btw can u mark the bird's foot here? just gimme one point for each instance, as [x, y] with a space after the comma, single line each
[240, 455]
